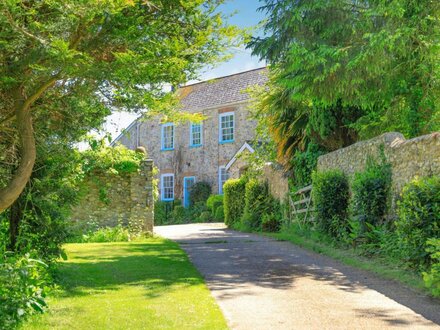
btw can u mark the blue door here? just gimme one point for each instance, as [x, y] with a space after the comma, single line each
[188, 182]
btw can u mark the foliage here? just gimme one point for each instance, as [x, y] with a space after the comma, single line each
[380, 56]
[200, 192]
[370, 194]
[67, 65]
[116, 160]
[330, 196]
[234, 190]
[419, 218]
[272, 221]
[178, 214]
[22, 288]
[40, 215]
[106, 234]
[219, 214]
[163, 212]
[213, 202]
[143, 284]
[432, 278]
[254, 204]
[205, 216]
[304, 163]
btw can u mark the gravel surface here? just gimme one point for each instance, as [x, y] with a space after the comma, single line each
[260, 283]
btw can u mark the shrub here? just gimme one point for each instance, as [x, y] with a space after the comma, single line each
[195, 210]
[219, 214]
[234, 191]
[200, 192]
[432, 278]
[370, 190]
[419, 218]
[179, 214]
[22, 280]
[107, 234]
[213, 202]
[330, 198]
[271, 222]
[205, 216]
[257, 202]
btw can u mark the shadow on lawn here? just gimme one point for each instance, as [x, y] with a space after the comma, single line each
[155, 267]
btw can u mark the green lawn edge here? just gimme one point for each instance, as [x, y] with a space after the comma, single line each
[150, 283]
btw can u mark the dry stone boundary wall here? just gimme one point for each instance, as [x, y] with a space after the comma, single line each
[130, 200]
[408, 158]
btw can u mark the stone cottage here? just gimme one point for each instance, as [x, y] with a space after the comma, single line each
[193, 152]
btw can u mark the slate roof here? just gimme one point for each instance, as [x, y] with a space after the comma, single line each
[220, 91]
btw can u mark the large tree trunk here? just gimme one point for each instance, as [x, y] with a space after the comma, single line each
[21, 176]
[23, 117]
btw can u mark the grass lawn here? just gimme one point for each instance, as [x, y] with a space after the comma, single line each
[137, 285]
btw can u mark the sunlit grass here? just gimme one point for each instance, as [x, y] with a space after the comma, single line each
[136, 285]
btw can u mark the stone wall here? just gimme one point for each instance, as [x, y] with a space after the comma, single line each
[129, 200]
[277, 180]
[408, 158]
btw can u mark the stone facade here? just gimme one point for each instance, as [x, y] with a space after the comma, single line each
[129, 200]
[211, 99]
[277, 180]
[408, 158]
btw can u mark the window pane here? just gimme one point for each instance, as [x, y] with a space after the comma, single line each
[227, 127]
[196, 134]
[168, 137]
[168, 187]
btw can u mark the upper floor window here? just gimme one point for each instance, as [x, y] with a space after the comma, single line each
[167, 187]
[226, 127]
[167, 136]
[195, 135]
[223, 176]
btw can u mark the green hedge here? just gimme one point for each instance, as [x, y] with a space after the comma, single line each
[234, 191]
[257, 203]
[419, 218]
[213, 202]
[370, 189]
[219, 214]
[432, 277]
[330, 195]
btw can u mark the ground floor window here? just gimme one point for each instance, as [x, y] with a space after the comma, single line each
[167, 187]
[223, 176]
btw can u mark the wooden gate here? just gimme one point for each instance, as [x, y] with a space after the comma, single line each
[302, 206]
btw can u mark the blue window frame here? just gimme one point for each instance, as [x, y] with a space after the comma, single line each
[195, 135]
[167, 136]
[167, 187]
[226, 127]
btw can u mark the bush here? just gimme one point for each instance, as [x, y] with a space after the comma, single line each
[179, 214]
[205, 216]
[219, 214]
[200, 192]
[257, 202]
[213, 202]
[419, 218]
[234, 191]
[432, 278]
[330, 195]
[370, 190]
[271, 222]
[107, 234]
[22, 280]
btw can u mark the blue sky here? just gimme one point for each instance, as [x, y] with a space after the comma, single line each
[246, 16]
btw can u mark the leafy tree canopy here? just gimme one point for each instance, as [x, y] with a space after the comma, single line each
[65, 64]
[379, 56]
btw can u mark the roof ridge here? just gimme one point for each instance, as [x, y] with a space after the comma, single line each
[222, 77]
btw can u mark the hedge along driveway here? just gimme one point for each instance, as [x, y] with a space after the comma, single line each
[137, 285]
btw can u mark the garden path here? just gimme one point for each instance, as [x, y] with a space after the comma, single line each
[260, 283]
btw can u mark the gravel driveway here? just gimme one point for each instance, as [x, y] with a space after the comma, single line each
[260, 283]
